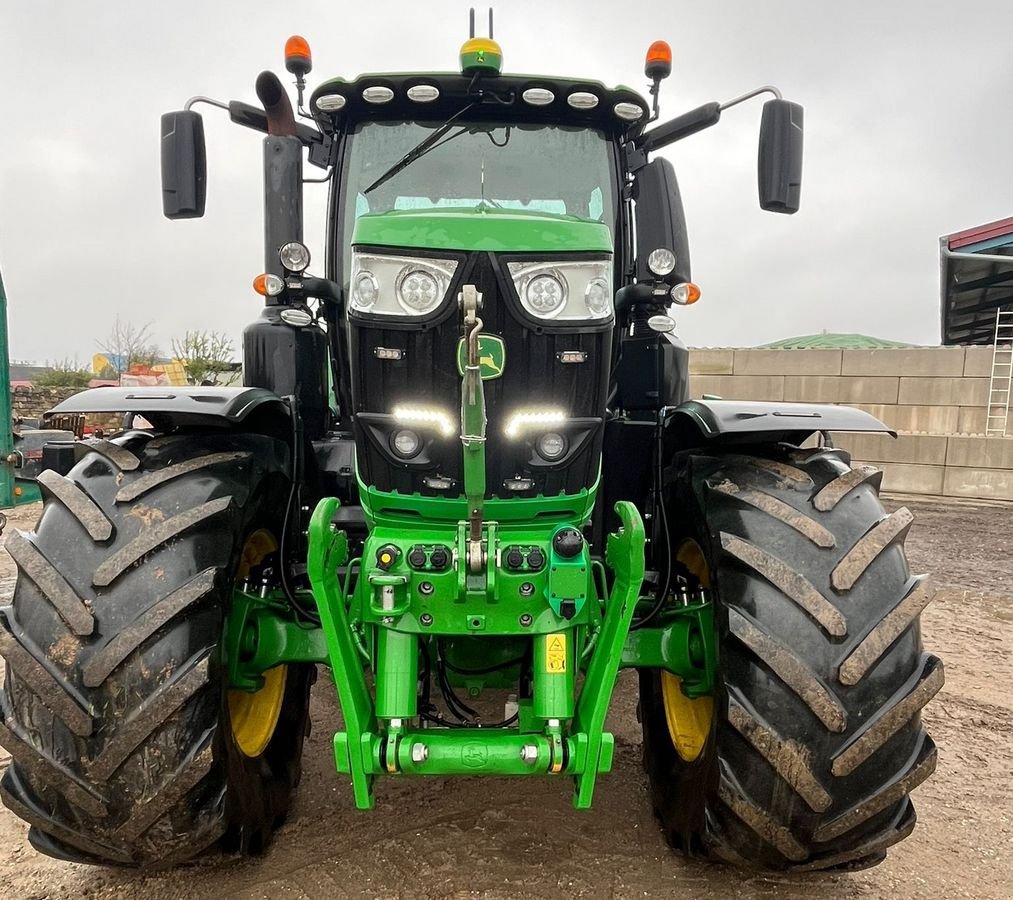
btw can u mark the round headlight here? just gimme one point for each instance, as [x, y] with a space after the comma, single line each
[406, 443]
[661, 262]
[364, 290]
[596, 296]
[551, 446]
[545, 295]
[294, 256]
[418, 291]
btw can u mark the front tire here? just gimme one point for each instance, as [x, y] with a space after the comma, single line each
[115, 706]
[816, 740]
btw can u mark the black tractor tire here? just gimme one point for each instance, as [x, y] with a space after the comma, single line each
[114, 704]
[816, 739]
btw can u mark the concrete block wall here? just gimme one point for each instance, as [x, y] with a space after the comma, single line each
[935, 397]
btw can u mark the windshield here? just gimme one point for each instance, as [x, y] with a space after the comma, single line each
[543, 168]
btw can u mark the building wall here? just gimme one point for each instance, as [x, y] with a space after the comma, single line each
[935, 397]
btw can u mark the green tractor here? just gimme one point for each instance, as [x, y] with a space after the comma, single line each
[464, 474]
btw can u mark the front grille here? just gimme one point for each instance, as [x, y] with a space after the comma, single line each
[427, 376]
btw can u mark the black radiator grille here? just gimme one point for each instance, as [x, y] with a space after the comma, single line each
[533, 377]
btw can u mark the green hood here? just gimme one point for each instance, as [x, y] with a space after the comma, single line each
[481, 228]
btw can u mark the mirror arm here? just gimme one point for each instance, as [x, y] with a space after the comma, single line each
[210, 101]
[681, 126]
[765, 89]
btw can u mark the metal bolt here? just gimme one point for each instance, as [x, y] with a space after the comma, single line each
[426, 619]
[526, 620]
[426, 588]
[387, 620]
[396, 723]
[529, 754]
[553, 723]
[527, 589]
[420, 753]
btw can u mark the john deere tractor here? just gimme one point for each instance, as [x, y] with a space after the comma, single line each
[464, 475]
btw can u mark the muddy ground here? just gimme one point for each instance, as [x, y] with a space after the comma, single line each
[441, 838]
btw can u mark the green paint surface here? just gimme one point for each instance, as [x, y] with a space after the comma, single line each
[482, 227]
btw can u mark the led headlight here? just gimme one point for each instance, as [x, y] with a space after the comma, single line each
[418, 291]
[551, 446]
[405, 443]
[574, 290]
[544, 295]
[661, 262]
[294, 256]
[399, 285]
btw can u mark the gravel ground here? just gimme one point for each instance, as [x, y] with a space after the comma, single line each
[520, 838]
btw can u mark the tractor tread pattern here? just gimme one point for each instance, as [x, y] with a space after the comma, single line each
[150, 480]
[35, 669]
[791, 669]
[45, 767]
[83, 508]
[149, 715]
[887, 531]
[153, 537]
[778, 509]
[19, 801]
[894, 716]
[790, 759]
[98, 668]
[818, 739]
[57, 590]
[828, 497]
[123, 458]
[774, 833]
[148, 811]
[791, 583]
[113, 702]
[872, 647]
[898, 789]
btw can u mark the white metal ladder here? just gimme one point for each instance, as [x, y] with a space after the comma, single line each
[1001, 383]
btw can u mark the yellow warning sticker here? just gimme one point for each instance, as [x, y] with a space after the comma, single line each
[555, 653]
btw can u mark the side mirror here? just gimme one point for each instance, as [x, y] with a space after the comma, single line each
[660, 221]
[780, 157]
[184, 165]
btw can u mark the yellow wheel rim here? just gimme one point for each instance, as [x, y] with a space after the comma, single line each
[689, 720]
[254, 716]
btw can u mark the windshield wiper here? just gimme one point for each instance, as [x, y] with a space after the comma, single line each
[420, 149]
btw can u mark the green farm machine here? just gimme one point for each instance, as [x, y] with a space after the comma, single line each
[464, 474]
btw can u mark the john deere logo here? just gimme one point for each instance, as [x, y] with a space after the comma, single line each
[474, 756]
[491, 356]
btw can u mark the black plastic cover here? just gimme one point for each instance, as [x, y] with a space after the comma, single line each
[660, 220]
[779, 176]
[716, 418]
[184, 165]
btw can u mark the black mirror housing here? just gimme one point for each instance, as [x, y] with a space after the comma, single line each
[660, 221]
[779, 175]
[184, 165]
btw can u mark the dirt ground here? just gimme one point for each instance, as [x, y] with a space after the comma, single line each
[520, 838]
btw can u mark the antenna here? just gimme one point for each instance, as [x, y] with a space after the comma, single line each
[490, 24]
[471, 22]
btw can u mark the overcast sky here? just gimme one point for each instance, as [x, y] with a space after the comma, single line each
[908, 136]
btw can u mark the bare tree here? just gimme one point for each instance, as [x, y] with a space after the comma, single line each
[127, 345]
[206, 356]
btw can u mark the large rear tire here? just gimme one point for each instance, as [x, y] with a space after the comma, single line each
[815, 741]
[115, 707]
